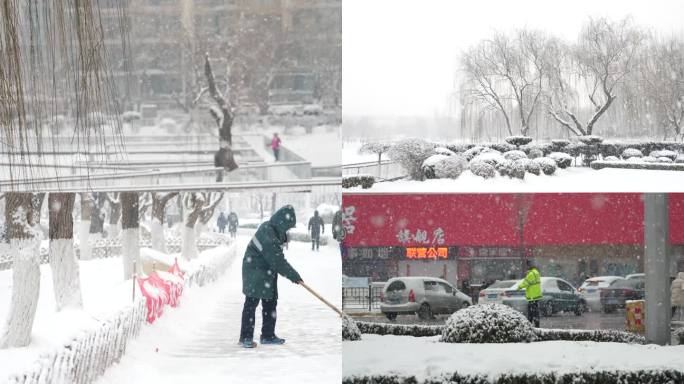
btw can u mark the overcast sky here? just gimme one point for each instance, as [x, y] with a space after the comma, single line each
[400, 56]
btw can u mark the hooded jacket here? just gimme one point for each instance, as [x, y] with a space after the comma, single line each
[678, 290]
[264, 259]
[532, 285]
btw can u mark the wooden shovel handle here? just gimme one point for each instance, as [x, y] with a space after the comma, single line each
[319, 297]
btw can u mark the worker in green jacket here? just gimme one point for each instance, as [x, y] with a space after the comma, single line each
[533, 293]
[263, 262]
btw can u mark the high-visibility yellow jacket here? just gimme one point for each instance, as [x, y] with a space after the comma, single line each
[532, 285]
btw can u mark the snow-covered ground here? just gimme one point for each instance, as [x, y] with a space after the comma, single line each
[426, 357]
[197, 342]
[573, 179]
[351, 155]
[322, 149]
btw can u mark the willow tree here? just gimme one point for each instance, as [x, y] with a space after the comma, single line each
[63, 262]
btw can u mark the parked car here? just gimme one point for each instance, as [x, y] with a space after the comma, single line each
[590, 289]
[495, 292]
[615, 295]
[424, 296]
[636, 276]
[557, 296]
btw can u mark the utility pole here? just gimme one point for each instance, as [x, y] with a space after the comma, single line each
[657, 268]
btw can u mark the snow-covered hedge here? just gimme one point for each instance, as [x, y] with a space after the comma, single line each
[487, 323]
[631, 152]
[563, 160]
[482, 169]
[450, 167]
[349, 329]
[547, 165]
[365, 181]
[600, 335]
[514, 155]
[583, 377]
[410, 154]
[400, 329]
[428, 166]
[518, 140]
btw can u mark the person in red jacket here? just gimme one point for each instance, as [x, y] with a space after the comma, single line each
[275, 146]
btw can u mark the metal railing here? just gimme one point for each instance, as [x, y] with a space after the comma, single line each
[385, 170]
[362, 299]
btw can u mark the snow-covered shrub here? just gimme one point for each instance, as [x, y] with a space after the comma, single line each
[377, 148]
[470, 153]
[444, 151]
[649, 159]
[410, 154]
[611, 158]
[599, 335]
[400, 329]
[487, 323]
[559, 144]
[518, 140]
[574, 149]
[517, 168]
[451, 167]
[663, 159]
[503, 167]
[608, 149]
[428, 167]
[533, 167]
[365, 181]
[491, 156]
[482, 169]
[349, 329]
[459, 147]
[664, 153]
[563, 160]
[545, 148]
[590, 139]
[514, 155]
[535, 153]
[631, 152]
[503, 147]
[548, 165]
[679, 159]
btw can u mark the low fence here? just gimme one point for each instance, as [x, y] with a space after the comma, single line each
[385, 170]
[87, 356]
[362, 299]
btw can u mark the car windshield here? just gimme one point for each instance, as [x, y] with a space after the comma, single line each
[503, 284]
[625, 283]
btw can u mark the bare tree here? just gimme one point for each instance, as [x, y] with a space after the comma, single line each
[662, 78]
[65, 274]
[159, 202]
[87, 205]
[601, 59]
[114, 213]
[130, 234]
[192, 205]
[25, 271]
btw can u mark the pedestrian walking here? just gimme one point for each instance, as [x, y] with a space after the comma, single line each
[532, 286]
[262, 263]
[316, 227]
[233, 223]
[677, 296]
[275, 146]
[221, 223]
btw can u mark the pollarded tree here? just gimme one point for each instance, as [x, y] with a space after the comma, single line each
[197, 207]
[208, 212]
[601, 59]
[25, 270]
[159, 201]
[130, 234]
[65, 275]
[114, 214]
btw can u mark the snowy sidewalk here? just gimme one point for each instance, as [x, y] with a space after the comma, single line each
[198, 341]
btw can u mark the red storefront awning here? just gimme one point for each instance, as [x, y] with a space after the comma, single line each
[495, 219]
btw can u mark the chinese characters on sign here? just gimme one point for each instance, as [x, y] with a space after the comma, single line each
[427, 253]
[421, 236]
[348, 219]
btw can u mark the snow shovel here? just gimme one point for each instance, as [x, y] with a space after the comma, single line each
[319, 297]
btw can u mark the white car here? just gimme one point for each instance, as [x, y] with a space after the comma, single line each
[636, 276]
[495, 292]
[590, 289]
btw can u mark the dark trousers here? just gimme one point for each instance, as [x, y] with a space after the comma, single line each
[276, 153]
[222, 229]
[315, 242]
[533, 312]
[268, 318]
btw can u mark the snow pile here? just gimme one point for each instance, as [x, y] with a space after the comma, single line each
[349, 329]
[487, 323]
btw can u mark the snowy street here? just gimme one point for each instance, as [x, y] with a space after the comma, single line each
[198, 341]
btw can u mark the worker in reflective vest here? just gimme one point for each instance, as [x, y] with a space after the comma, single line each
[533, 293]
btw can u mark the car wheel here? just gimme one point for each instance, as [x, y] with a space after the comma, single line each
[425, 312]
[391, 316]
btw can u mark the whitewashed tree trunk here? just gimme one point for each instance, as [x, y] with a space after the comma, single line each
[159, 202]
[26, 271]
[114, 231]
[158, 241]
[130, 234]
[189, 248]
[65, 271]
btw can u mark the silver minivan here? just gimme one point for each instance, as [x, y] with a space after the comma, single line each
[424, 296]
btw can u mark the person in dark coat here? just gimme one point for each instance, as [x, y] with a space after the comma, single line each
[233, 223]
[263, 262]
[223, 158]
[316, 227]
[221, 223]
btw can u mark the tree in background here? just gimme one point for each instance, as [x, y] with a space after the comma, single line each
[63, 262]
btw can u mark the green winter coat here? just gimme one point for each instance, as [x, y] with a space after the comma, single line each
[264, 259]
[532, 285]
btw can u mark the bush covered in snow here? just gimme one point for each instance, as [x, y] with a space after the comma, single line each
[533, 167]
[444, 151]
[451, 167]
[590, 139]
[470, 153]
[518, 140]
[514, 155]
[428, 166]
[365, 181]
[410, 154]
[563, 160]
[503, 147]
[649, 159]
[459, 147]
[672, 155]
[482, 169]
[599, 335]
[377, 148]
[349, 329]
[559, 144]
[414, 330]
[611, 158]
[548, 165]
[664, 160]
[631, 152]
[679, 159]
[535, 153]
[487, 323]
[491, 157]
